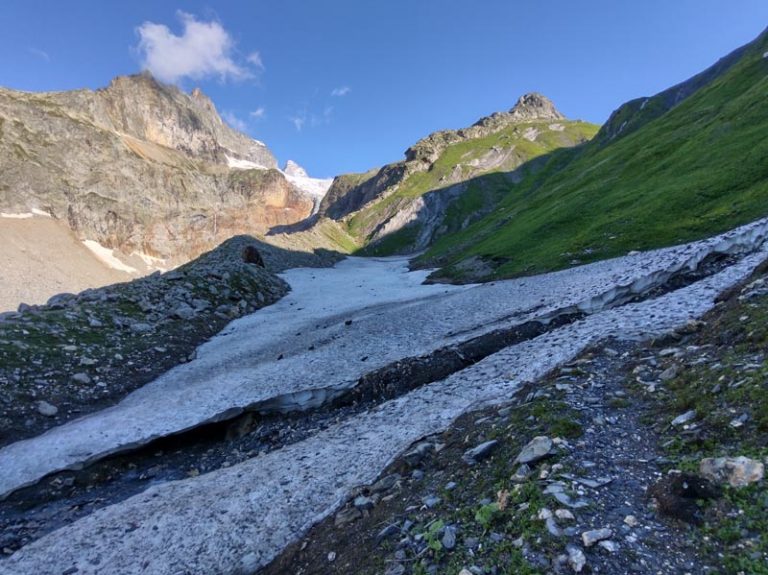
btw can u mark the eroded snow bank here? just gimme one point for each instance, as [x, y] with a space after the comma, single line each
[335, 326]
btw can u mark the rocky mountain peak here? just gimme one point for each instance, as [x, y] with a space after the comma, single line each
[535, 106]
[141, 107]
[295, 170]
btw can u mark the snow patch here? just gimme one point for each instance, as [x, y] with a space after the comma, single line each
[16, 216]
[107, 256]
[313, 186]
[152, 262]
[238, 164]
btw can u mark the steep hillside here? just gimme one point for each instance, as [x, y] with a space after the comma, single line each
[403, 207]
[140, 167]
[685, 164]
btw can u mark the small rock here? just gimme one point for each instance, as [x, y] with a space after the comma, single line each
[576, 558]
[46, 409]
[553, 528]
[669, 373]
[609, 546]
[522, 474]
[684, 418]
[141, 327]
[347, 516]
[83, 378]
[363, 502]
[431, 501]
[472, 456]
[395, 569]
[631, 520]
[385, 483]
[538, 448]
[739, 421]
[737, 471]
[449, 537]
[332, 556]
[564, 515]
[387, 532]
[595, 536]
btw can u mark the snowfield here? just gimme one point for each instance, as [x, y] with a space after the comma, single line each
[308, 348]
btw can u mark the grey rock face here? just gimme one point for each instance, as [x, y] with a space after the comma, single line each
[140, 166]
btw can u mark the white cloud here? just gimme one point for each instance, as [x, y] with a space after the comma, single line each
[254, 58]
[341, 91]
[234, 122]
[42, 54]
[299, 120]
[204, 49]
[259, 113]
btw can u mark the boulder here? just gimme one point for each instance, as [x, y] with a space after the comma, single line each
[736, 471]
[538, 448]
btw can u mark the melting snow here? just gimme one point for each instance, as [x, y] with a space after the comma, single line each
[238, 164]
[108, 257]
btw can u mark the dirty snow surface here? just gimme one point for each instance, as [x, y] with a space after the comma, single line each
[335, 326]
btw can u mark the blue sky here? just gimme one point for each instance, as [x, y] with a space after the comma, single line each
[345, 85]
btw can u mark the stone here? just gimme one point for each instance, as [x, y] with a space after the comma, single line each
[395, 569]
[553, 528]
[576, 558]
[479, 452]
[385, 483]
[631, 520]
[686, 417]
[537, 449]
[589, 538]
[141, 327]
[449, 537]
[183, 311]
[669, 373]
[431, 501]
[419, 452]
[736, 471]
[609, 546]
[83, 378]
[522, 474]
[331, 556]
[347, 515]
[564, 515]
[364, 503]
[46, 409]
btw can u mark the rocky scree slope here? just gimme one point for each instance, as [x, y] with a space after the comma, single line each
[404, 206]
[684, 164]
[140, 166]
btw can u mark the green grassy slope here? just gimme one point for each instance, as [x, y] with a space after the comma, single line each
[456, 164]
[693, 171]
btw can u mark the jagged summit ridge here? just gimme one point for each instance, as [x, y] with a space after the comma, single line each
[532, 107]
[535, 106]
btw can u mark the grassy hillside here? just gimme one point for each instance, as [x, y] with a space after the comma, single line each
[460, 162]
[690, 172]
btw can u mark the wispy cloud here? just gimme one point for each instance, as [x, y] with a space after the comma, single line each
[298, 120]
[254, 58]
[341, 91]
[203, 50]
[42, 54]
[259, 113]
[234, 121]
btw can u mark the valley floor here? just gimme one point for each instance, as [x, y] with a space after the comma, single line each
[198, 471]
